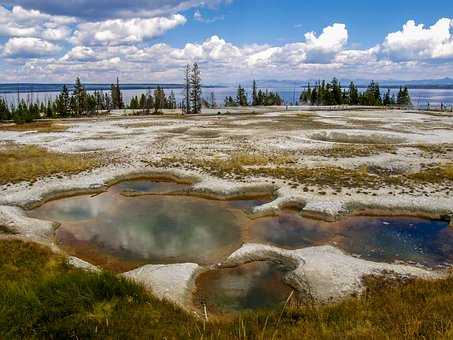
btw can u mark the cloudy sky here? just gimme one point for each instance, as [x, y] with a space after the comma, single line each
[232, 40]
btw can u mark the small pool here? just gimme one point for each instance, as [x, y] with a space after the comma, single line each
[120, 232]
[257, 285]
[409, 239]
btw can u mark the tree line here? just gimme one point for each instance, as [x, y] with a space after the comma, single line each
[331, 93]
[259, 98]
[155, 103]
[77, 103]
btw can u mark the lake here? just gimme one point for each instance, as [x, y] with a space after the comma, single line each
[420, 97]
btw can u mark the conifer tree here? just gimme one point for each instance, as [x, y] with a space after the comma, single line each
[79, 95]
[254, 95]
[186, 105]
[195, 89]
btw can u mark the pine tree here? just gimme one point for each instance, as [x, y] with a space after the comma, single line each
[186, 105]
[255, 101]
[195, 89]
[159, 99]
[212, 103]
[79, 95]
[171, 101]
[241, 96]
[353, 94]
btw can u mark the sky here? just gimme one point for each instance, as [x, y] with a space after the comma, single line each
[232, 40]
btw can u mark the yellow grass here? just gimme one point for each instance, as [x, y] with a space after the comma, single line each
[45, 126]
[29, 162]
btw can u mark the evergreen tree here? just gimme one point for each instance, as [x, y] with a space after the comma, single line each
[64, 102]
[159, 99]
[186, 105]
[195, 89]
[117, 96]
[5, 113]
[229, 102]
[78, 99]
[353, 94]
[387, 98]
[212, 103]
[241, 97]
[171, 101]
[255, 101]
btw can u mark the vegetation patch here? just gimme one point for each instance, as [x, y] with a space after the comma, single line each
[441, 149]
[29, 162]
[41, 296]
[39, 126]
[436, 174]
[352, 150]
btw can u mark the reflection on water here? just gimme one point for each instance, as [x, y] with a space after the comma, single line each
[387, 239]
[119, 232]
[155, 229]
[146, 185]
[250, 286]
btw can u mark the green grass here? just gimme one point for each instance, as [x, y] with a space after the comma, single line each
[42, 297]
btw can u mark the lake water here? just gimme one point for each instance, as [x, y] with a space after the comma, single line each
[420, 97]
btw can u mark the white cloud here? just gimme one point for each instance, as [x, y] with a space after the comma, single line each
[19, 22]
[81, 54]
[119, 31]
[29, 48]
[415, 42]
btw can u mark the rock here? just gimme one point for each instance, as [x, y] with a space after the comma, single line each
[325, 272]
[17, 222]
[173, 282]
[81, 264]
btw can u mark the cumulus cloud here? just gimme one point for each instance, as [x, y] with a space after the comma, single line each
[28, 48]
[120, 31]
[80, 54]
[315, 50]
[19, 22]
[415, 42]
[102, 49]
[108, 9]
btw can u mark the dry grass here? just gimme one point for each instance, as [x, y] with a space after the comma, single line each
[352, 150]
[44, 126]
[441, 149]
[436, 174]
[29, 162]
[329, 176]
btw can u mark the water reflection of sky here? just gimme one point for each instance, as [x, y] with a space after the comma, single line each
[162, 229]
[250, 286]
[375, 238]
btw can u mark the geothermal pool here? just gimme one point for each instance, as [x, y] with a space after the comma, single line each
[141, 222]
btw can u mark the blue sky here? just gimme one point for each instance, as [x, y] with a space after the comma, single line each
[233, 40]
